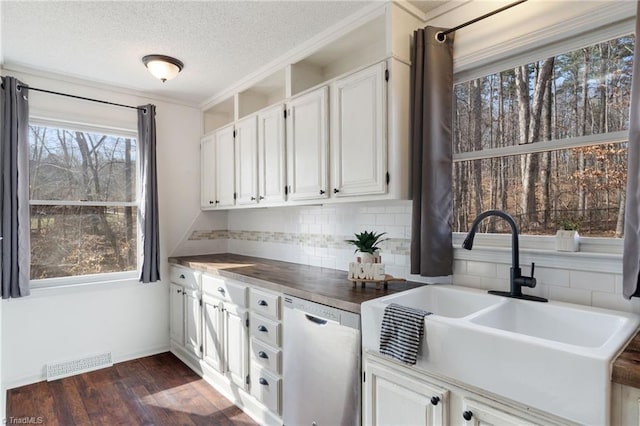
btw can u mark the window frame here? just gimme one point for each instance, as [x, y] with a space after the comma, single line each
[106, 277]
[484, 65]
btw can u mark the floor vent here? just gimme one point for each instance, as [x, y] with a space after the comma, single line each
[59, 370]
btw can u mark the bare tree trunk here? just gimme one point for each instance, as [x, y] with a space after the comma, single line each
[476, 106]
[620, 220]
[582, 196]
[545, 169]
[128, 211]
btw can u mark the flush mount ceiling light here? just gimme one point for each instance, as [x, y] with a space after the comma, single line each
[163, 67]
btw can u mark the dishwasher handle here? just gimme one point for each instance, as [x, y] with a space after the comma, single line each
[316, 320]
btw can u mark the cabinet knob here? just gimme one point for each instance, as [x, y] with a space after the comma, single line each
[262, 328]
[253, 198]
[261, 197]
[182, 276]
[263, 354]
[321, 191]
[221, 290]
[263, 381]
[217, 201]
[467, 415]
[262, 303]
[336, 190]
[210, 202]
[435, 400]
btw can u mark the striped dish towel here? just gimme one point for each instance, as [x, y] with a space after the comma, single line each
[402, 331]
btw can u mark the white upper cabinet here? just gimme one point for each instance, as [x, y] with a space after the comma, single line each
[246, 158]
[307, 146]
[271, 155]
[358, 133]
[207, 172]
[224, 167]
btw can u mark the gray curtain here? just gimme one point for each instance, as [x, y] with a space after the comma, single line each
[431, 121]
[148, 211]
[14, 190]
[631, 254]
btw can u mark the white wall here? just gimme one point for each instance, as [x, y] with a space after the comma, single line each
[127, 318]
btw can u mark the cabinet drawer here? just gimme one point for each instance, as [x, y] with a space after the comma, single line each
[266, 388]
[265, 329]
[225, 289]
[265, 356]
[185, 277]
[264, 303]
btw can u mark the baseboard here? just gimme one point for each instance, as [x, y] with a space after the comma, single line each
[35, 378]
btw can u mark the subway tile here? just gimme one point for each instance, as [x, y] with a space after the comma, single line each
[481, 269]
[570, 295]
[618, 283]
[467, 280]
[552, 276]
[614, 301]
[403, 219]
[375, 209]
[459, 267]
[595, 281]
[385, 219]
[394, 231]
[395, 209]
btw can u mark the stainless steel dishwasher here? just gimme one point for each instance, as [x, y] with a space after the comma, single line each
[321, 359]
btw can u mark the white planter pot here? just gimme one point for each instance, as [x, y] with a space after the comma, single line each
[567, 241]
[366, 257]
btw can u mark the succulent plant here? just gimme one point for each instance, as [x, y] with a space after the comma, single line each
[367, 242]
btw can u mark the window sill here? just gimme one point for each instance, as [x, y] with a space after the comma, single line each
[595, 255]
[52, 286]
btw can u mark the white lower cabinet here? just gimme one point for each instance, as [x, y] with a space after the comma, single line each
[185, 324]
[394, 394]
[226, 344]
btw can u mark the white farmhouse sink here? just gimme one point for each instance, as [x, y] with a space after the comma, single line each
[553, 356]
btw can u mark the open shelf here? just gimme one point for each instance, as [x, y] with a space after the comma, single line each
[219, 115]
[363, 46]
[262, 94]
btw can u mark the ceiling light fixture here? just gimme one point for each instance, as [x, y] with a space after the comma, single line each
[163, 67]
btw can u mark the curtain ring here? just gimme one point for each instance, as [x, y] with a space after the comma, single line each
[440, 37]
[144, 111]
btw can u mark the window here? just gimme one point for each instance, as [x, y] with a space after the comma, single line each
[83, 202]
[546, 142]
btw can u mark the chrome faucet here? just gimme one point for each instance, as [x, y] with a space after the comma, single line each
[517, 280]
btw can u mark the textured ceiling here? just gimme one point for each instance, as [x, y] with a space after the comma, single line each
[219, 41]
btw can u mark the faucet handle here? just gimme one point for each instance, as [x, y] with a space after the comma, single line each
[533, 268]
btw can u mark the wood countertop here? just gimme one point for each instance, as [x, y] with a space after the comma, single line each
[327, 286]
[626, 368]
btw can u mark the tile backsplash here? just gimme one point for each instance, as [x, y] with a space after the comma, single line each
[314, 235]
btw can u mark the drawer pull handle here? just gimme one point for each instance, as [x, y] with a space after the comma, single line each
[263, 381]
[182, 276]
[263, 303]
[262, 328]
[263, 354]
[221, 290]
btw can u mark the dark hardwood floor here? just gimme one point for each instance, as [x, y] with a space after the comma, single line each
[155, 390]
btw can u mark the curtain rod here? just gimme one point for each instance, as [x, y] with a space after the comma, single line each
[442, 35]
[83, 98]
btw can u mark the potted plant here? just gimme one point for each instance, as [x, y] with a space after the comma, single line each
[367, 244]
[567, 237]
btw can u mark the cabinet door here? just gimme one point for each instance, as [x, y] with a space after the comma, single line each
[394, 399]
[307, 146]
[358, 133]
[247, 161]
[213, 342]
[236, 344]
[478, 414]
[207, 172]
[176, 312]
[271, 155]
[193, 323]
[224, 173]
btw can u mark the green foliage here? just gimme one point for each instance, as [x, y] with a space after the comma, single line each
[367, 242]
[569, 223]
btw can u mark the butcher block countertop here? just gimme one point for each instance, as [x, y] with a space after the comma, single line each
[321, 285]
[626, 368]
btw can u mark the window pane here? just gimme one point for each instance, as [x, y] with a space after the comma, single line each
[73, 165]
[581, 185]
[580, 93]
[82, 240]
